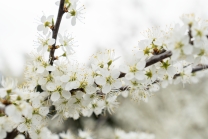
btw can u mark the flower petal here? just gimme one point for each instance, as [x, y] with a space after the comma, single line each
[124, 68]
[66, 94]
[100, 80]
[129, 76]
[55, 96]
[51, 41]
[43, 111]
[73, 21]
[50, 68]
[115, 73]
[141, 64]
[106, 88]
[139, 75]
[43, 18]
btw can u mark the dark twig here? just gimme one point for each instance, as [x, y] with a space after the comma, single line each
[195, 69]
[190, 36]
[12, 134]
[55, 31]
[154, 59]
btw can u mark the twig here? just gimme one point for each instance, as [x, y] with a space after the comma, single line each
[154, 59]
[12, 134]
[195, 69]
[55, 31]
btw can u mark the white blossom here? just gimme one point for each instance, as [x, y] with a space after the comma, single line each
[46, 22]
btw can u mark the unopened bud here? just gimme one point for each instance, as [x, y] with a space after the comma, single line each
[57, 46]
[49, 47]
[56, 58]
[52, 27]
[65, 9]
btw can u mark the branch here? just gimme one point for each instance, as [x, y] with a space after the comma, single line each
[55, 31]
[154, 59]
[12, 134]
[195, 69]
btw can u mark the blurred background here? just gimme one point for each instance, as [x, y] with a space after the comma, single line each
[173, 113]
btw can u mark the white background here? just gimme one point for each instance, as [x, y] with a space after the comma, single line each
[112, 24]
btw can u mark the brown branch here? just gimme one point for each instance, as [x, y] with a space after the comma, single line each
[55, 31]
[12, 135]
[195, 69]
[190, 36]
[199, 68]
[154, 59]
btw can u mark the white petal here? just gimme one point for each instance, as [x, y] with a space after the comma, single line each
[171, 71]
[43, 18]
[112, 99]
[20, 136]
[73, 21]
[45, 30]
[106, 88]
[42, 81]
[40, 69]
[117, 84]
[2, 93]
[50, 68]
[39, 48]
[125, 93]
[10, 110]
[140, 54]
[79, 95]
[43, 111]
[187, 49]
[57, 3]
[87, 97]
[100, 80]
[51, 86]
[50, 18]
[66, 94]
[75, 84]
[129, 76]
[164, 84]
[190, 58]
[90, 89]
[68, 86]
[51, 41]
[188, 70]
[87, 112]
[98, 111]
[104, 72]
[64, 78]
[36, 103]
[3, 134]
[124, 68]
[36, 119]
[141, 64]
[139, 75]
[115, 73]
[55, 96]
[68, 15]
[40, 27]
[22, 127]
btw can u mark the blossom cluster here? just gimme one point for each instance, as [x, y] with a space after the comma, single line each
[66, 89]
